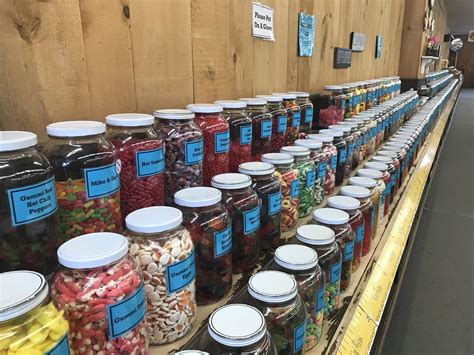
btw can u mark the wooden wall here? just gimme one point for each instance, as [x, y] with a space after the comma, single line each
[84, 59]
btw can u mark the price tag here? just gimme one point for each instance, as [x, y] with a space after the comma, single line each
[262, 21]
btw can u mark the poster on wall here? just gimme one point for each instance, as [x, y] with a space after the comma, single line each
[342, 57]
[378, 46]
[262, 21]
[357, 41]
[470, 36]
[305, 35]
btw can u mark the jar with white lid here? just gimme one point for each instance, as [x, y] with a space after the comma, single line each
[364, 137]
[357, 141]
[394, 156]
[349, 139]
[393, 174]
[306, 109]
[294, 116]
[184, 149]
[30, 323]
[279, 120]
[370, 184]
[29, 233]
[319, 161]
[306, 176]
[349, 97]
[243, 206]
[302, 263]
[87, 176]
[329, 152]
[330, 106]
[209, 224]
[142, 155]
[355, 98]
[322, 240]
[100, 289]
[275, 294]
[191, 352]
[363, 95]
[378, 177]
[401, 150]
[384, 169]
[341, 147]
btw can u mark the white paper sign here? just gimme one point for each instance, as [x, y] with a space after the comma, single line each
[262, 21]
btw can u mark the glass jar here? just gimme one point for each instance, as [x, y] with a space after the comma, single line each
[215, 131]
[370, 184]
[357, 142]
[210, 227]
[396, 164]
[349, 139]
[380, 187]
[356, 221]
[279, 118]
[322, 240]
[361, 145]
[356, 93]
[338, 221]
[329, 152]
[240, 127]
[401, 150]
[143, 160]
[363, 95]
[331, 105]
[384, 169]
[29, 233]
[367, 209]
[262, 126]
[275, 294]
[393, 174]
[184, 149]
[243, 207]
[341, 147]
[405, 144]
[349, 97]
[29, 321]
[87, 178]
[100, 289]
[287, 176]
[306, 109]
[302, 263]
[294, 117]
[370, 95]
[268, 189]
[306, 177]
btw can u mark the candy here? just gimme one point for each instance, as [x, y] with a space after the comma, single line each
[290, 199]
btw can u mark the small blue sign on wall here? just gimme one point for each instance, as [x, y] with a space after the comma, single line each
[378, 46]
[305, 35]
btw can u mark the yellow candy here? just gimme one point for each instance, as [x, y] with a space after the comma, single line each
[47, 345]
[17, 341]
[37, 334]
[58, 325]
[27, 352]
[48, 313]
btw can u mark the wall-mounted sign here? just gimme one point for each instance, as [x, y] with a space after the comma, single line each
[342, 57]
[262, 21]
[305, 35]
[357, 41]
[378, 46]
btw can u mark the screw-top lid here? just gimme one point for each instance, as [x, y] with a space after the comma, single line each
[376, 165]
[174, 114]
[278, 158]
[343, 202]
[332, 132]
[258, 101]
[395, 145]
[390, 148]
[285, 95]
[370, 173]
[339, 127]
[348, 124]
[231, 103]
[92, 250]
[330, 216]
[14, 140]
[237, 325]
[256, 168]
[363, 181]
[272, 286]
[204, 108]
[296, 257]
[387, 153]
[21, 292]
[315, 234]
[295, 150]
[197, 196]
[381, 159]
[130, 119]
[75, 128]
[153, 219]
[299, 93]
[321, 137]
[309, 143]
[333, 87]
[191, 352]
[355, 191]
[231, 181]
[270, 98]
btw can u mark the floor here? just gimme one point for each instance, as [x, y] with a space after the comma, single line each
[434, 310]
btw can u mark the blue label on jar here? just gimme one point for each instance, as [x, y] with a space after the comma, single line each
[149, 162]
[393, 180]
[193, 152]
[387, 189]
[61, 348]
[221, 142]
[358, 144]
[310, 178]
[308, 118]
[294, 188]
[266, 129]
[364, 98]
[274, 203]
[300, 335]
[359, 233]
[351, 102]
[335, 273]
[348, 251]
[322, 166]
[245, 135]
[296, 119]
[351, 149]
[222, 242]
[320, 299]
[282, 122]
[334, 161]
[101, 181]
[126, 314]
[342, 156]
[251, 220]
[357, 100]
[343, 105]
[32, 203]
[180, 274]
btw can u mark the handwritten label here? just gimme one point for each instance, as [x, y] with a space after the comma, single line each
[266, 129]
[300, 335]
[101, 181]
[251, 220]
[221, 142]
[348, 251]
[149, 162]
[61, 348]
[310, 178]
[296, 119]
[335, 273]
[274, 203]
[262, 21]
[222, 242]
[245, 135]
[193, 152]
[181, 274]
[359, 233]
[282, 121]
[294, 188]
[308, 117]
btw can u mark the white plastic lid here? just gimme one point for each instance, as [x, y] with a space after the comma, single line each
[295, 150]
[355, 191]
[237, 325]
[315, 234]
[153, 219]
[75, 128]
[343, 202]
[370, 173]
[333, 87]
[231, 103]
[332, 132]
[231, 181]
[339, 127]
[174, 114]
[285, 95]
[394, 144]
[362, 181]
[309, 143]
[204, 108]
[376, 166]
[390, 148]
[254, 101]
[381, 159]
[14, 140]
[299, 93]
[21, 291]
[270, 98]
[130, 119]
[191, 352]
[256, 168]
[321, 137]
[296, 257]
[330, 216]
[197, 196]
[92, 250]
[387, 153]
[278, 158]
[348, 124]
[272, 286]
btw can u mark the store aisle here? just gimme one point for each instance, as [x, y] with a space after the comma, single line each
[434, 311]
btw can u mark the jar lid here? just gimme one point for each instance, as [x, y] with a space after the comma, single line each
[75, 128]
[332, 132]
[272, 286]
[390, 148]
[295, 150]
[153, 219]
[395, 144]
[400, 138]
[362, 181]
[355, 191]
[296, 257]
[92, 250]
[315, 234]
[256, 168]
[254, 101]
[204, 108]
[309, 143]
[191, 352]
[26, 290]
[199, 196]
[333, 87]
[231, 181]
[330, 216]
[343, 202]
[348, 124]
[237, 325]
[344, 128]
[285, 95]
[321, 137]
[14, 140]
[381, 159]
[387, 153]
[376, 166]
[299, 93]
[231, 103]
[278, 158]
[370, 173]
[130, 119]
[174, 114]
[270, 98]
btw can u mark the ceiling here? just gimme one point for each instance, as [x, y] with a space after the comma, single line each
[460, 15]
